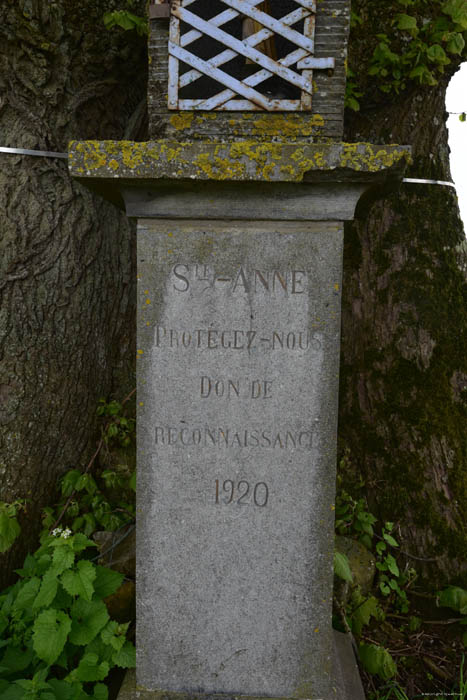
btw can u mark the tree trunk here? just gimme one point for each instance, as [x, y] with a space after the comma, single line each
[403, 393]
[67, 257]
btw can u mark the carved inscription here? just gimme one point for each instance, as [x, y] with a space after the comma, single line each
[235, 388]
[242, 280]
[232, 438]
[237, 339]
[242, 493]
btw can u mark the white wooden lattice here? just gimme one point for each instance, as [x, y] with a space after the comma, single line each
[296, 68]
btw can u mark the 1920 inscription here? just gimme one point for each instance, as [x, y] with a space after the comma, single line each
[241, 280]
[235, 388]
[242, 493]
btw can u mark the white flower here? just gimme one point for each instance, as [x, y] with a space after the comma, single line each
[57, 532]
[66, 533]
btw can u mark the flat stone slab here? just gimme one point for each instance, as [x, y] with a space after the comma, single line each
[346, 680]
[238, 359]
[235, 161]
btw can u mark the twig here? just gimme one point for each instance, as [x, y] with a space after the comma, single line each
[412, 556]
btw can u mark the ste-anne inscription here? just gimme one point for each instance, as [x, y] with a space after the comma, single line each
[237, 353]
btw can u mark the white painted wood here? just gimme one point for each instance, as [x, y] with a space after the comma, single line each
[216, 101]
[174, 67]
[271, 23]
[253, 40]
[310, 62]
[243, 49]
[242, 106]
[208, 69]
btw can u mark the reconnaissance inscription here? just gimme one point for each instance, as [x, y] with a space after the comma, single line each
[228, 438]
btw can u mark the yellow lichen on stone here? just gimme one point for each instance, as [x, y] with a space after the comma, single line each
[113, 164]
[287, 125]
[94, 158]
[182, 120]
[132, 153]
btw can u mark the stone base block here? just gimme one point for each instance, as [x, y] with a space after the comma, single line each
[347, 681]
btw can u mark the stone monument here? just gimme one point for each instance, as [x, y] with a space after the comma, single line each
[241, 199]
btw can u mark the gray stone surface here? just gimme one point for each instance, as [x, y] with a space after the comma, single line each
[347, 679]
[238, 360]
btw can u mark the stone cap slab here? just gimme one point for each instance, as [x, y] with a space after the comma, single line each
[241, 161]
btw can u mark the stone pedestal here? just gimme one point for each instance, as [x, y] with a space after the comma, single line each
[238, 360]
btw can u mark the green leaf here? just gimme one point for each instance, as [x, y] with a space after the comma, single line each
[27, 594]
[79, 581]
[455, 598]
[63, 558]
[88, 618]
[107, 581]
[9, 531]
[406, 23]
[13, 692]
[48, 590]
[457, 10]
[16, 659]
[362, 614]
[463, 117]
[132, 481]
[68, 482]
[456, 44]
[101, 692]
[90, 670]
[126, 657]
[392, 565]
[342, 567]
[437, 54]
[50, 633]
[377, 660]
[79, 542]
[390, 540]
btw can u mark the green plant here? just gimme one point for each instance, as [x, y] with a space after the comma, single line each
[126, 20]
[455, 598]
[391, 580]
[377, 660]
[353, 519]
[9, 525]
[416, 45]
[104, 499]
[57, 640]
[392, 691]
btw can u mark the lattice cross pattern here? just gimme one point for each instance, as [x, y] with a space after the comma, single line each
[294, 69]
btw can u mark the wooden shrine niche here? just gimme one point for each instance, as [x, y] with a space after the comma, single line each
[242, 55]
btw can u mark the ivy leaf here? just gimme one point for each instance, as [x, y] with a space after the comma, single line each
[377, 660]
[88, 618]
[392, 565]
[455, 598]
[79, 581]
[390, 540]
[126, 657]
[50, 633]
[9, 531]
[107, 581]
[362, 614]
[436, 54]
[457, 10]
[90, 670]
[342, 567]
[456, 43]
[406, 23]
[27, 594]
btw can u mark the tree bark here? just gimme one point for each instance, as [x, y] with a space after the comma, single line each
[403, 395]
[66, 257]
